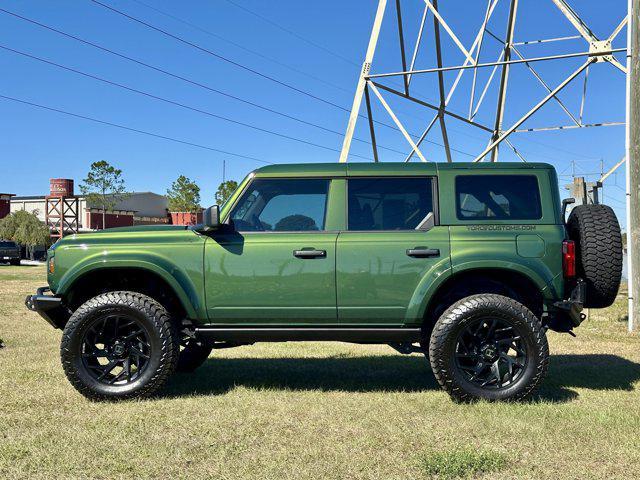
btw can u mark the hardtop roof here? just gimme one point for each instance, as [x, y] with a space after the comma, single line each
[395, 168]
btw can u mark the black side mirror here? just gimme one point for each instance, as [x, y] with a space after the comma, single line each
[211, 218]
[565, 203]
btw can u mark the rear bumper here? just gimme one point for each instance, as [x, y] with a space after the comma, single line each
[567, 314]
[48, 307]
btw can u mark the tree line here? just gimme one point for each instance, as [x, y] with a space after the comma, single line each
[104, 187]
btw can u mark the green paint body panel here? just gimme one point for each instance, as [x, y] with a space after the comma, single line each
[365, 279]
[378, 283]
[174, 253]
[254, 279]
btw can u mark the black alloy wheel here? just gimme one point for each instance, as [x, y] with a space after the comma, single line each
[489, 347]
[115, 349]
[119, 345]
[491, 353]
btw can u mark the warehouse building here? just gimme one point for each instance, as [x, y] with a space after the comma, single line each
[137, 208]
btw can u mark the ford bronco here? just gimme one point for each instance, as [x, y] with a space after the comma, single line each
[470, 264]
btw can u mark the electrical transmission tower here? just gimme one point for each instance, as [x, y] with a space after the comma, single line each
[472, 84]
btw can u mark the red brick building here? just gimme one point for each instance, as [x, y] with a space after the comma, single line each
[5, 204]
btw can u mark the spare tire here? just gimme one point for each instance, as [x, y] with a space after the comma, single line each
[596, 232]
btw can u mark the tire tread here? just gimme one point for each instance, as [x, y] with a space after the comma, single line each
[458, 311]
[162, 324]
[596, 231]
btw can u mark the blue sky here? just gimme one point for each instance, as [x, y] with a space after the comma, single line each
[317, 47]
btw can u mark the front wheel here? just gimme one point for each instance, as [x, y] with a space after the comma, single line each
[119, 345]
[488, 347]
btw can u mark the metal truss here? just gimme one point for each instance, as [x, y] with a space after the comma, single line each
[597, 51]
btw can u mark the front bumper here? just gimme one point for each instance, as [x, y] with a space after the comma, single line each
[48, 307]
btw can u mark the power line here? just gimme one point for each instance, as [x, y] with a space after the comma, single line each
[87, 42]
[316, 45]
[220, 57]
[131, 129]
[188, 80]
[178, 104]
[215, 35]
[207, 87]
[237, 45]
[196, 83]
[249, 69]
[197, 27]
[292, 33]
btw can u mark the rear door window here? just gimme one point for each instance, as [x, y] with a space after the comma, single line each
[498, 197]
[390, 203]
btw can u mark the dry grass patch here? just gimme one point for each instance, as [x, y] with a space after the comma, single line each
[316, 410]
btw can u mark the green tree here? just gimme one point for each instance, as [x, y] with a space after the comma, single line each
[25, 229]
[104, 187]
[225, 190]
[184, 196]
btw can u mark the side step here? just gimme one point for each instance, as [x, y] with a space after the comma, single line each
[301, 334]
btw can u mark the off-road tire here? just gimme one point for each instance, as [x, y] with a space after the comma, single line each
[444, 337]
[157, 323]
[596, 232]
[193, 353]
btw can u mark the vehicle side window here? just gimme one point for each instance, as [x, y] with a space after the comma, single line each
[498, 197]
[389, 203]
[282, 205]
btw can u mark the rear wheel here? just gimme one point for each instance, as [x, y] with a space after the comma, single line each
[488, 347]
[119, 345]
[596, 231]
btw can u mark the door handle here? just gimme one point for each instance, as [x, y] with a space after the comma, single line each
[423, 252]
[312, 253]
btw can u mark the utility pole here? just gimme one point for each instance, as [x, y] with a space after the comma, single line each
[633, 163]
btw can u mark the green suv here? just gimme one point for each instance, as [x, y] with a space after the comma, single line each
[469, 264]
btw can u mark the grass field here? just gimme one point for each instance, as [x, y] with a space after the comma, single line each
[321, 411]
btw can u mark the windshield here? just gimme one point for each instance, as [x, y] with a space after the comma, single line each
[6, 244]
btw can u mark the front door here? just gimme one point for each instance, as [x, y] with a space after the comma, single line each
[276, 265]
[392, 250]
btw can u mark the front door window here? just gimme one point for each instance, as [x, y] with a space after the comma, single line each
[281, 205]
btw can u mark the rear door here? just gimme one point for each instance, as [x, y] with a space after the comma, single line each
[392, 250]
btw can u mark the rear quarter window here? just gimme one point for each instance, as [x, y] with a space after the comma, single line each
[498, 197]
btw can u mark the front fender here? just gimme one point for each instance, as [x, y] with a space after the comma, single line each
[178, 278]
